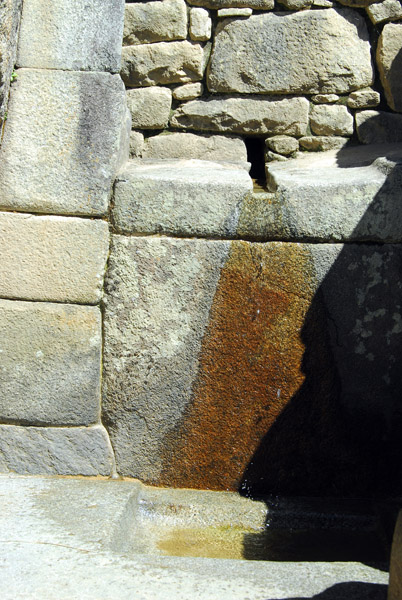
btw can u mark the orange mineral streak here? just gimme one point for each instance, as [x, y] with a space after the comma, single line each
[249, 367]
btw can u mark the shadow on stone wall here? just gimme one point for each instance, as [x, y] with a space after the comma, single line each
[341, 434]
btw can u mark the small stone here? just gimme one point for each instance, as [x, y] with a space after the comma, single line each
[324, 98]
[364, 99]
[381, 12]
[331, 120]
[218, 4]
[78, 36]
[200, 24]
[235, 12]
[304, 52]
[377, 127]
[323, 3]
[282, 144]
[59, 259]
[271, 156]
[147, 22]
[149, 107]
[62, 142]
[188, 91]
[180, 197]
[296, 4]
[254, 115]
[190, 145]
[389, 61]
[49, 363]
[55, 450]
[136, 144]
[162, 63]
[320, 143]
[357, 3]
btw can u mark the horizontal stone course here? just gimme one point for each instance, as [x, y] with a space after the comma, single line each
[182, 197]
[49, 363]
[246, 115]
[55, 451]
[59, 259]
[72, 120]
[66, 34]
[192, 145]
[321, 51]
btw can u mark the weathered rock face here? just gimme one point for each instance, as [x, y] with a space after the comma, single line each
[73, 118]
[384, 11]
[331, 120]
[217, 358]
[244, 115]
[379, 127]
[190, 145]
[10, 11]
[43, 258]
[320, 51]
[66, 34]
[162, 63]
[183, 197]
[389, 60]
[149, 107]
[49, 363]
[147, 22]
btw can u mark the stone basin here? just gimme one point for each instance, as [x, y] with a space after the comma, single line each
[117, 539]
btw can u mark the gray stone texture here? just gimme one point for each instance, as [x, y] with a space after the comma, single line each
[55, 450]
[162, 63]
[378, 127]
[244, 115]
[319, 143]
[364, 99]
[234, 12]
[217, 4]
[324, 98]
[296, 4]
[71, 35]
[321, 51]
[159, 293]
[389, 62]
[149, 107]
[136, 144]
[10, 11]
[361, 188]
[49, 363]
[331, 120]
[59, 259]
[155, 21]
[70, 119]
[180, 197]
[191, 145]
[200, 24]
[381, 12]
[188, 91]
[282, 144]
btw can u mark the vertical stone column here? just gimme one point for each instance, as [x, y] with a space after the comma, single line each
[63, 142]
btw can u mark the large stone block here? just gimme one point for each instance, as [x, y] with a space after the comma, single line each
[149, 107]
[305, 52]
[180, 197]
[244, 115]
[378, 127]
[162, 63]
[147, 22]
[190, 145]
[361, 187]
[71, 34]
[274, 367]
[389, 61]
[59, 259]
[10, 11]
[61, 142]
[217, 4]
[55, 451]
[49, 363]
[331, 120]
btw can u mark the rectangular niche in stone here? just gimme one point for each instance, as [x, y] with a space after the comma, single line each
[299, 53]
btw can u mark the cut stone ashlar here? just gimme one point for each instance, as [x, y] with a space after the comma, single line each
[149, 22]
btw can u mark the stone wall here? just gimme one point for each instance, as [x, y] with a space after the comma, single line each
[304, 69]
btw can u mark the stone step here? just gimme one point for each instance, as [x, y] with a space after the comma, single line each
[180, 197]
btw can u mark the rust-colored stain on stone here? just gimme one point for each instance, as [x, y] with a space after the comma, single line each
[250, 365]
